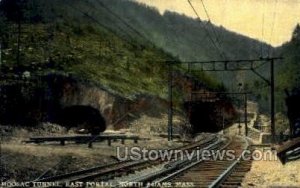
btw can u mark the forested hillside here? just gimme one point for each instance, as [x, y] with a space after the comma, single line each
[185, 38]
[55, 39]
[42, 40]
[289, 70]
[180, 35]
[109, 42]
[122, 45]
[287, 75]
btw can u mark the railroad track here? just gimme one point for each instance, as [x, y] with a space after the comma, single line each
[122, 168]
[165, 170]
[207, 173]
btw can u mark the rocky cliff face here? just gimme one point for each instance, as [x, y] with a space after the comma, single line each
[71, 102]
[45, 99]
[109, 105]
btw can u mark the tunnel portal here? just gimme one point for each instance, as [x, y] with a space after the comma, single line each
[85, 117]
[209, 116]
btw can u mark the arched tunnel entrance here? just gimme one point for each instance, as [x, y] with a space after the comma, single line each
[210, 116]
[49, 99]
[83, 117]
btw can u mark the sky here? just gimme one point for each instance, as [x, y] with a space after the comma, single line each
[271, 21]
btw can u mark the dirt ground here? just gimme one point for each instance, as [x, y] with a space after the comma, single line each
[268, 172]
[24, 162]
[271, 173]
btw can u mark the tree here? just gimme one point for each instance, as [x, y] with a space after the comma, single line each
[296, 33]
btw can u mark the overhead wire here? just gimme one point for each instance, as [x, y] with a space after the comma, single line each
[208, 18]
[214, 32]
[219, 41]
[206, 30]
[122, 20]
[262, 29]
[273, 25]
[110, 30]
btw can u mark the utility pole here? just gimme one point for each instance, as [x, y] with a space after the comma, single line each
[273, 132]
[239, 106]
[223, 120]
[170, 112]
[19, 30]
[19, 36]
[0, 55]
[246, 115]
[0, 95]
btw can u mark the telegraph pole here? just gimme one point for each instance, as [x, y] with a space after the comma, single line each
[272, 86]
[170, 112]
[246, 115]
[0, 96]
[19, 29]
[0, 54]
[19, 36]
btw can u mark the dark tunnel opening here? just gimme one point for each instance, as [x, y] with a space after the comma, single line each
[209, 116]
[82, 117]
[28, 104]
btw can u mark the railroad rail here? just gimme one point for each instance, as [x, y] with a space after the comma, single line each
[235, 172]
[167, 171]
[122, 168]
[83, 139]
[208, 173]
